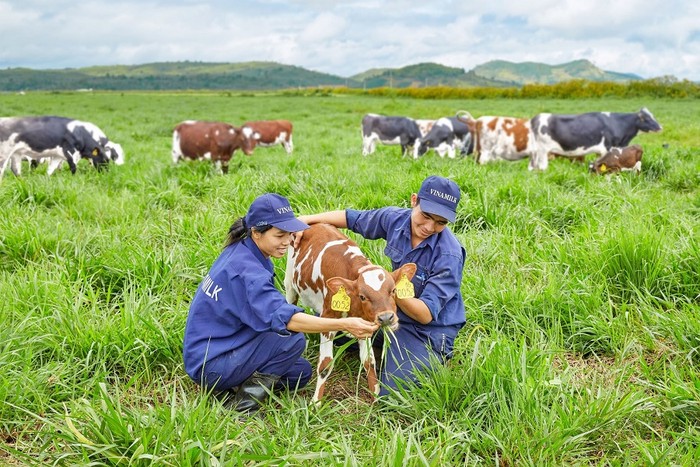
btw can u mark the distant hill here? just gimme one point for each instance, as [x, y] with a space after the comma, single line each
[422, 75]
[169, 76]
[271, 75]
[532, 72]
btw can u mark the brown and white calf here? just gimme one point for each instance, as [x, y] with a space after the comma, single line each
[624, 159]
[214, 141]
[499, 138]
[271, 132]
[332, 276]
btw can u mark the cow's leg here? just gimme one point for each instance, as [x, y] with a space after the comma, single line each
[16, 165]
[369, 363]
[54, 163]
[451, 151]
[72, 157]
[539, 160]
[3, 166]
[325, 364]
[289, 145]
[367, 145]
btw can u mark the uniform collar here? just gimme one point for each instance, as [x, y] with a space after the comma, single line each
[267, 262]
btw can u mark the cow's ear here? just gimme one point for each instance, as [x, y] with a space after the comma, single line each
[256, 135]
[334, 284]
[409, 269]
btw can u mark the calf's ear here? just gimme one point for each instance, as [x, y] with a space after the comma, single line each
[335, 283]
[409, 269]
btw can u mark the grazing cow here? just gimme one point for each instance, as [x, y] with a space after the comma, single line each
[113, 150]
[332, 276]
[499, 138]
[389, 130]
[47, 137]
[447, 135]
[214, 141]
[624, 159]
[578, 135]
[271, 132]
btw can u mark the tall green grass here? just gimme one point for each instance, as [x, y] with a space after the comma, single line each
[582, 294]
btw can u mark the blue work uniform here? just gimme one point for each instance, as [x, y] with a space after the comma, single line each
[237, 324]
[440, 260]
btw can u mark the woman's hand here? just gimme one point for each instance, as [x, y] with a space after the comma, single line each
[297, 238]
[359, 328]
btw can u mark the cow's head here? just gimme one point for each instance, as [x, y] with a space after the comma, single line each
[373, 295]
[423, 146]
[647, 122]
[248, 139]
[115, 152]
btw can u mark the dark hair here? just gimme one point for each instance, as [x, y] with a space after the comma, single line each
[238, 231]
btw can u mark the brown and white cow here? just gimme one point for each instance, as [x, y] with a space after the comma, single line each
[214, 141]
[499, 138]
[624, 159]
[271, 132]
[332, 276]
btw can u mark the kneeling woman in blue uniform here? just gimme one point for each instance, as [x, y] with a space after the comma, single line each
[240, 331]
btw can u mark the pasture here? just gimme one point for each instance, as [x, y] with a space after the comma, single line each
[582, 294]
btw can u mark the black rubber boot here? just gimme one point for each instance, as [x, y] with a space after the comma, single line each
[253, 392]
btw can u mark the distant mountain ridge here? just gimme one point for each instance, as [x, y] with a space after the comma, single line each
[539, 73]
[261, 75]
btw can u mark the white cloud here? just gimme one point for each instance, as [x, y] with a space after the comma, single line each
[646, 37]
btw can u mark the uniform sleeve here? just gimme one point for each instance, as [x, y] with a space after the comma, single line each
[371, 224]
[443, 283]
[266, 308]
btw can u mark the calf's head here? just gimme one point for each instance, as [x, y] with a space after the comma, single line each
[372, 296]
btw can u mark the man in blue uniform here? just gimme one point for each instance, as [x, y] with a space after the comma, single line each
[430, 320]
[242, 338]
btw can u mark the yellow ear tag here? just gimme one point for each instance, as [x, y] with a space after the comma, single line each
[340, 301]
[94, 152]
[404, 288]
[603, 168]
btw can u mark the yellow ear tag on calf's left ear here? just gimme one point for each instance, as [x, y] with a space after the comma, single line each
[603, 167]
[340, 301]
[404, 288]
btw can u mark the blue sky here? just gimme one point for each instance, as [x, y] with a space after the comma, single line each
[650, 38]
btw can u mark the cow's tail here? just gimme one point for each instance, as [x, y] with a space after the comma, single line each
[464, 116]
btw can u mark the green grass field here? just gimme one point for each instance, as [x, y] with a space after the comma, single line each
[582, 294]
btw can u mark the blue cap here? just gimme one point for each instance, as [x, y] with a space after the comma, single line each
[273, 209]
[439, 196]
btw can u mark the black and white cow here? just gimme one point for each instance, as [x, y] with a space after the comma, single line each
[448, 135]
[48, 137]
[578, 135]
[389, 130]
[114, 151]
